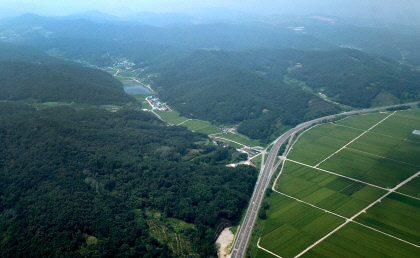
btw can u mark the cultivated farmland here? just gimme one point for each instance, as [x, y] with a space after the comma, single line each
[348, 188]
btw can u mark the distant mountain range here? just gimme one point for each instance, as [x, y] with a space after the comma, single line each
[239, 32]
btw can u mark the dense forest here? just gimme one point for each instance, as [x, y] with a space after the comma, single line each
[267, 90]
[347, 76]
[205, 86]
[102, 52]
[59, 82]
[78, 183]
[15, 53]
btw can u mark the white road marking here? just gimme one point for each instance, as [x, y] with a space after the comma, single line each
[184, 122]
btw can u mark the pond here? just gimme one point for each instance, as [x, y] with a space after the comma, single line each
[132, 87]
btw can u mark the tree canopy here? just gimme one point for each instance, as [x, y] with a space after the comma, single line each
[59, 82]
[67, 176]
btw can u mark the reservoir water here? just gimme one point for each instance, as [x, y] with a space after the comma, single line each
[132, 87]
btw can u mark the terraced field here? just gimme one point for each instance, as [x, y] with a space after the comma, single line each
[349, 188]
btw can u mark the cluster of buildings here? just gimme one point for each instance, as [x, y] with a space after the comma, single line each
[228, 130]
[156, 104]
[124, 63]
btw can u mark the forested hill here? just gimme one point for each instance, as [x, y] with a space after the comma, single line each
[204, 85]
[30, 27]
[347, 76]
[358, 79]
[84, 183]
[59, 82]
[15, 53]
[263, 90]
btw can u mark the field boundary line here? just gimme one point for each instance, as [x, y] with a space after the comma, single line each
[346, 126]
[379, 156]
[333, 173]
[312, 205]
[294, 143]
[356, 180]
[215, 134]
[416, 118]
[255, 156]
[397, 238]
[340, 216]
[358, 214]
[258, 245]
[354, 139]
[407, 195]
[184, 122]
[381, 134]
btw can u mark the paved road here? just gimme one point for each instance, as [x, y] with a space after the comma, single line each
[245, 231]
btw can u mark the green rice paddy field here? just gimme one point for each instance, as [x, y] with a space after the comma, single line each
[337, 170]
[202, 126]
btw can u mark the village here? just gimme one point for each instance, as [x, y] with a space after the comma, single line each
[156, 104]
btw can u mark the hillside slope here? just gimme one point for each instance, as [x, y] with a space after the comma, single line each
[205, 86]
[81, 183]
[15, 53]
[347, 76]
[59, 82]
[264, 90]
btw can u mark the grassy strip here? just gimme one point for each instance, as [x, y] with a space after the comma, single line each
[201, 126]
[172, 117]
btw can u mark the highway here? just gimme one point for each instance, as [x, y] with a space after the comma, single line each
[245, 230]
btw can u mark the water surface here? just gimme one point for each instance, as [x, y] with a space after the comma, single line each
[132, 87]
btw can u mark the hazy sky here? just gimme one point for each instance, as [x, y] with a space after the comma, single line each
[396, 9]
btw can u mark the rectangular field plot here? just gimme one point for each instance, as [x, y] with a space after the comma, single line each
[314, 146]
[397, 126]
[371, 169]
[412, 188]
[363, 122]
[201, 126]
[357, 241]
[375, 144]
[301, 229]
[407, 152]
[414, 138]
[411, 113]
[396, 215]
[333, 193]
[383, 158]
[350, 163]
[263, 254]
[172, 117]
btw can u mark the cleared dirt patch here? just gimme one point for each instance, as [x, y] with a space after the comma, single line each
[225, 239]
